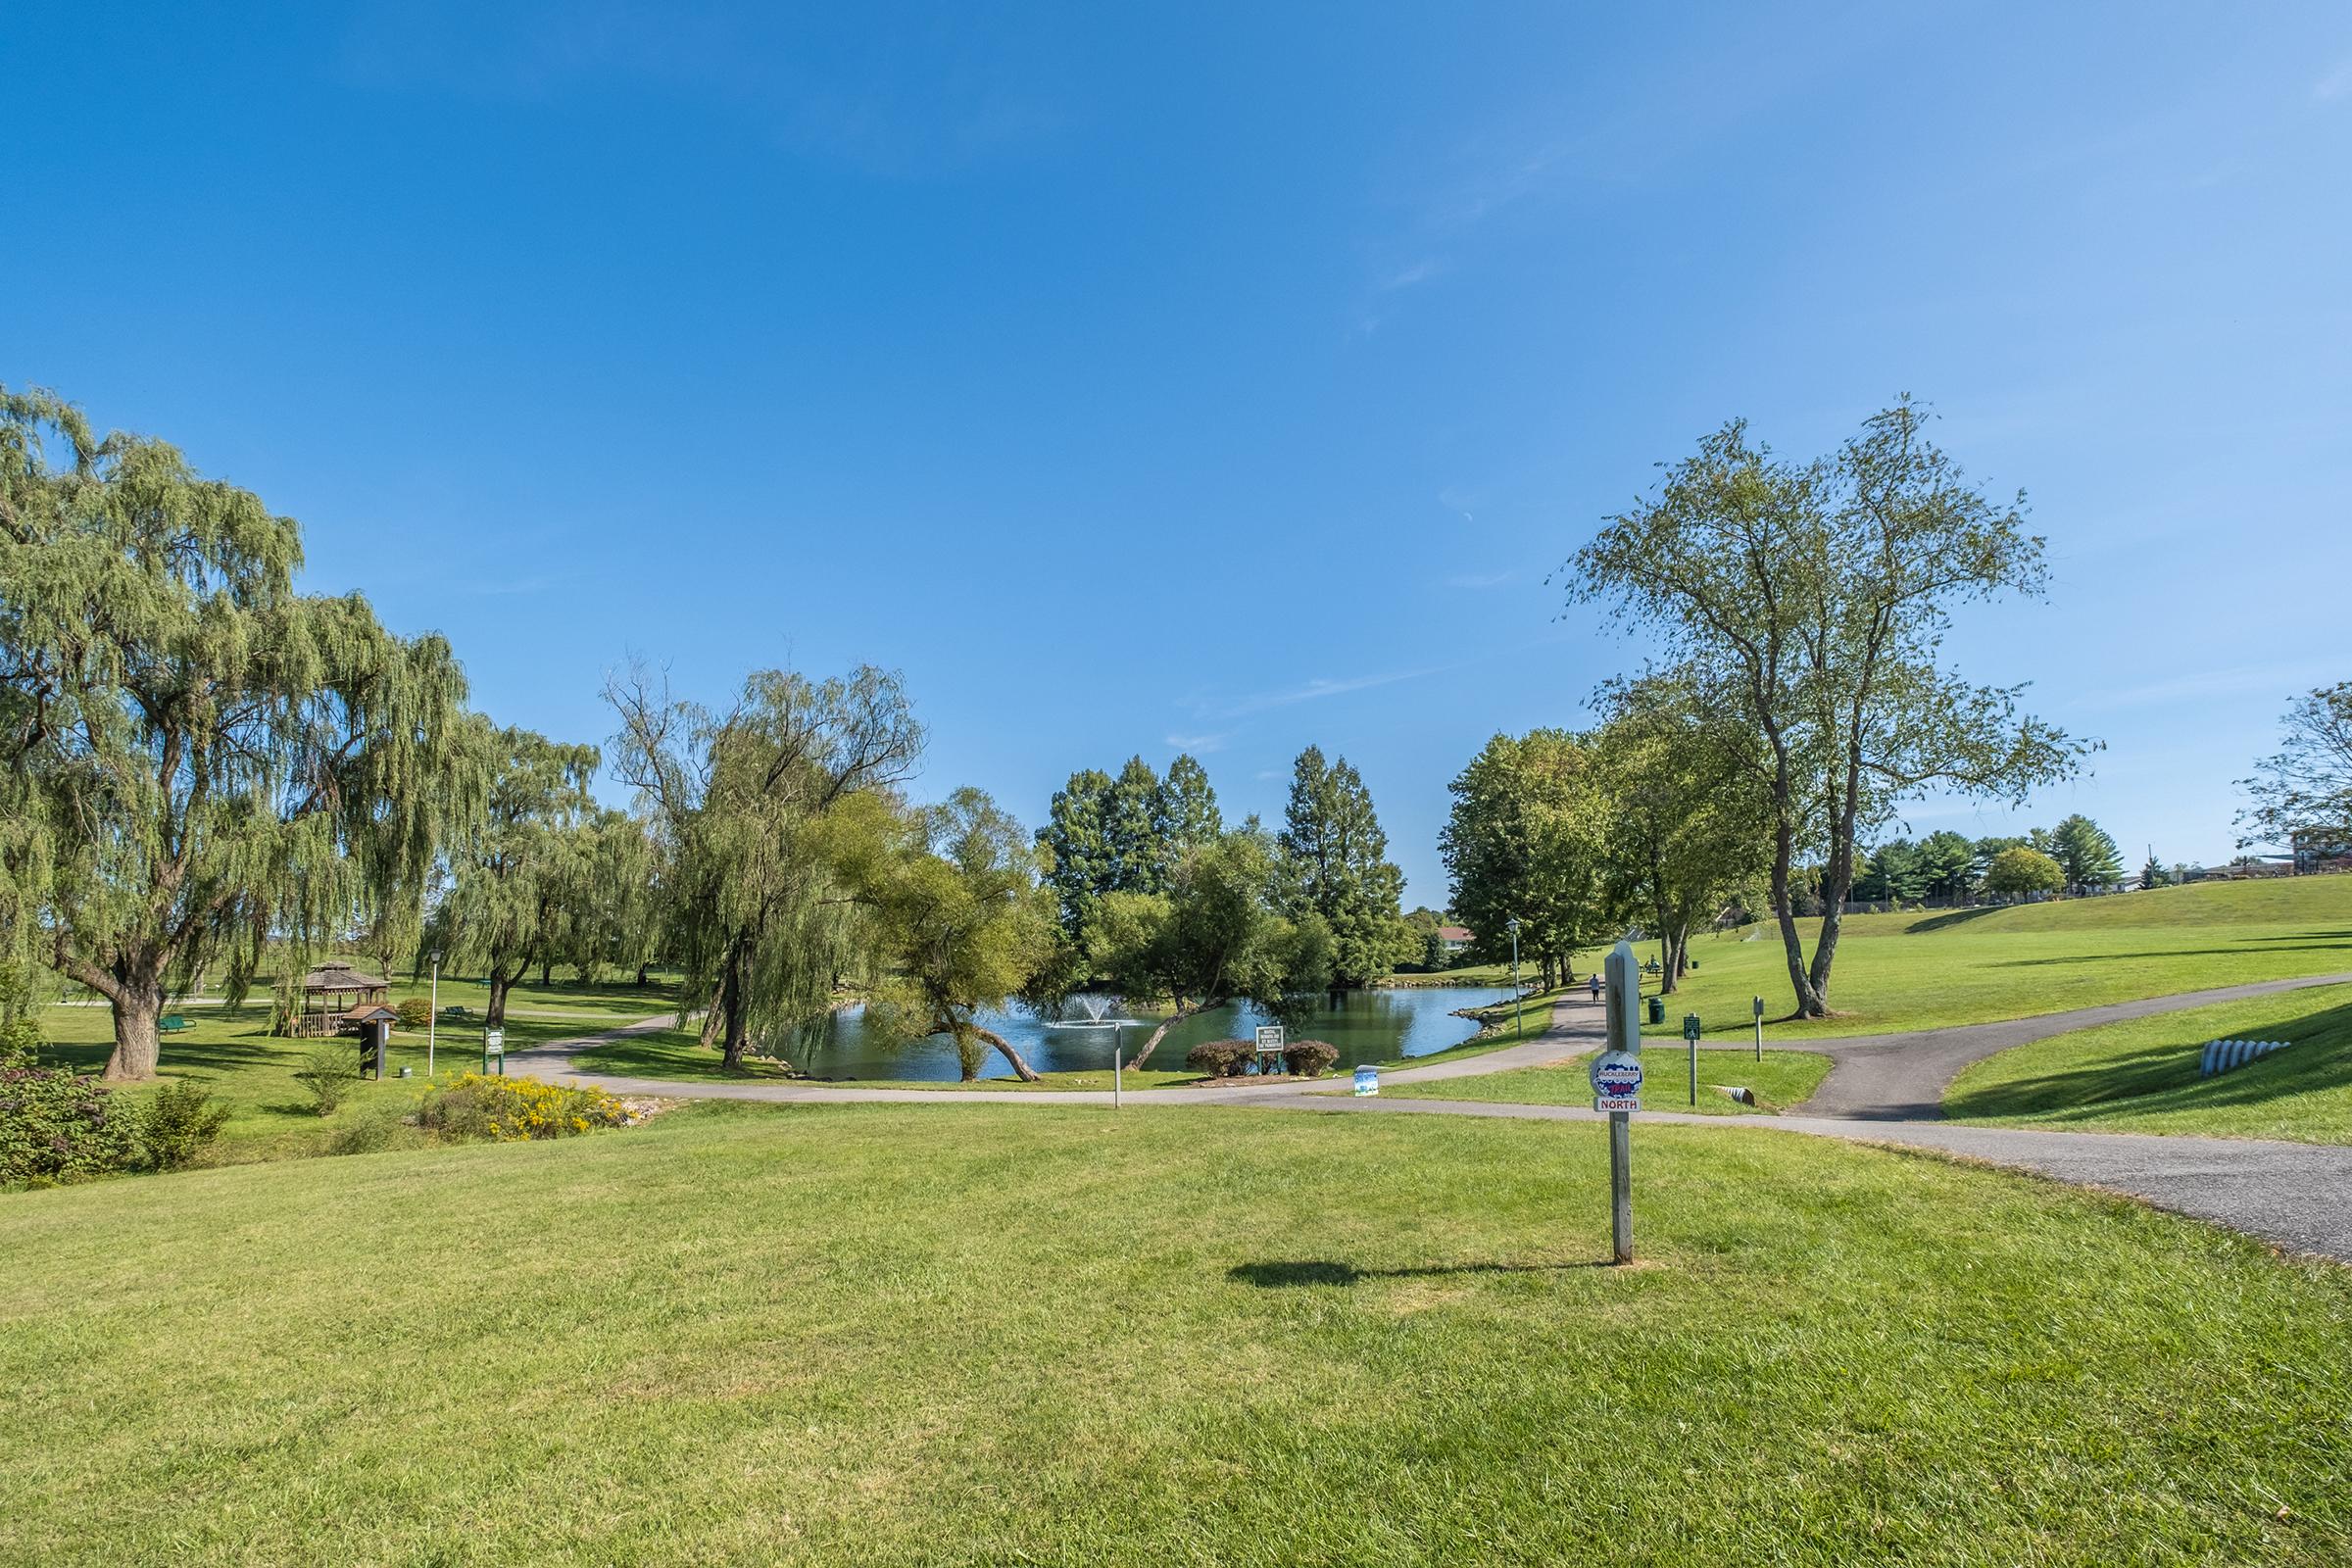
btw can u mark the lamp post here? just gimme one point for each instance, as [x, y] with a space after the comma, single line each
[434, 1019]
[1518, 1027]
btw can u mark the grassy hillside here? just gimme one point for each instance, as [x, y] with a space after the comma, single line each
[965, 1334]
[2143, 1077]
[1920, 971]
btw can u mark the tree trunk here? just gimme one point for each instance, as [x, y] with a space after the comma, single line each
[1784, 906]
[642, 980]
[138, 1006]
[1160, 1033]
[545, 966]
[498, 980]
[1021, 1069]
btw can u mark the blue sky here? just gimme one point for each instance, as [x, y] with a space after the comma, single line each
[1224, 377]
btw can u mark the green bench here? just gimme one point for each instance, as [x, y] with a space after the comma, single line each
[173, 1023]
[456, 1013]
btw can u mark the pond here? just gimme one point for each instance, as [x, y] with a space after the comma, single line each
[1366, 1026]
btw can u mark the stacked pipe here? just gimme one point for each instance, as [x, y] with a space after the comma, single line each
[2223, 1054]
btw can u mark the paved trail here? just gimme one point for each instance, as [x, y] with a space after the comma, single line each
[2298, 1195]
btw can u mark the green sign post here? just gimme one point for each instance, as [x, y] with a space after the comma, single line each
[494, 1044]
[1690, 1035]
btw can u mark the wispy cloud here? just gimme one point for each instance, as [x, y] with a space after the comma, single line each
[1316, 690]
[1420, 271]
[1198, 744]
[2338, 83]
[2282, 681]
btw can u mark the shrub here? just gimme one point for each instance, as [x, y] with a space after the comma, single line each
[59, 1126]
[512, 1109]
[414, 1014]
[1310, 1059]
[179, 1121]
[327, 1071]
[370, 1129]
[1221, 1058]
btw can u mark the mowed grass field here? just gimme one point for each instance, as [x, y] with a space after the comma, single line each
[938, 1334]
[229, 1050]
[1782, 1079]
[1929, 970]
[2141, 1076]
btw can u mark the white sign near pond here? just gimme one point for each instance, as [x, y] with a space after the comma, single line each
[1269, 1040]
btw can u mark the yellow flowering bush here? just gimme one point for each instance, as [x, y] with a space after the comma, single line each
[512, 1109]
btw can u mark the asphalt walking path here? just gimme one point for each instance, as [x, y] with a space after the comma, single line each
[2296, 1195]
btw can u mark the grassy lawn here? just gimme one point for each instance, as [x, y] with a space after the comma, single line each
[229, 1050]
[678, 1055]
[2141, 1076]
[1923, 971]
[1784, 1078]
[955, 1333]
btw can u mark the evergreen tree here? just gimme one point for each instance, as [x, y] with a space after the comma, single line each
[2087, 855]
[1334, 864]
[2153, 874]
[1080, 864]
[1189, 808]
[1947, 866]
[1135, 830]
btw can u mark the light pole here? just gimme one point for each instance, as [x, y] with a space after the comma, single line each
[434, 1019]
[1518, 1027]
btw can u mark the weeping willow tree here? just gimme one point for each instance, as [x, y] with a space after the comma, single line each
[512, 869]
[965, 923]
[771, 816]
[195, 759]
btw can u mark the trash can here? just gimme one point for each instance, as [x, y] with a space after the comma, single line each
[1657, 1009]
[1367, 1080]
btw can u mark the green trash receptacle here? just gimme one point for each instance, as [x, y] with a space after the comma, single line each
[1657, 1009]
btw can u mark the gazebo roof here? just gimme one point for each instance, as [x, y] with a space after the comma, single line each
[336, 975]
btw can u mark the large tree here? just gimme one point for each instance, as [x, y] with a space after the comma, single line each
[1334, 864]
[1685, 830]
[964, 925]
[513, 871]
[1527, 839]
[1214, 936]
[195, 758]
[1947, 863]
[1807, 604]
[768, 813]
[2087, 855]
[2307, 783]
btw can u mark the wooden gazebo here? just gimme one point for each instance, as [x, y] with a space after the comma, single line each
[334, 993]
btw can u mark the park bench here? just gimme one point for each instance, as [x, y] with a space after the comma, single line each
[455, 1013]
[173, 1023]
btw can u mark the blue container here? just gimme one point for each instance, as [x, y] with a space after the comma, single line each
[1367, 1080]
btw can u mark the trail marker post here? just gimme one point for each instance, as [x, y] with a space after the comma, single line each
[1116, 1030]
[494, 1044]
[1691, 1034]
[1616, 1077]
[1759, 1028]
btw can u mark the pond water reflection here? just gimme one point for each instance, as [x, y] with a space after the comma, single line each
[1366, 1026]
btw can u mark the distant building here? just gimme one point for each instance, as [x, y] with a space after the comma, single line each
[1456, 939]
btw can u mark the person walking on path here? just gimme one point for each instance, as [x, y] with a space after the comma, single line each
[1596, 980]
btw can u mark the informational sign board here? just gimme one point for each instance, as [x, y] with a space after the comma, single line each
[1616, 1077]
[494, 1042]
[1367, 1080]
[1269, 1040]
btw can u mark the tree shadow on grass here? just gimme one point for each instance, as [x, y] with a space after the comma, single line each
[1281, 1276]
[1943, 922]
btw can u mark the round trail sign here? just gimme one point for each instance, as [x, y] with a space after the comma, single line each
[1616, 1077]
